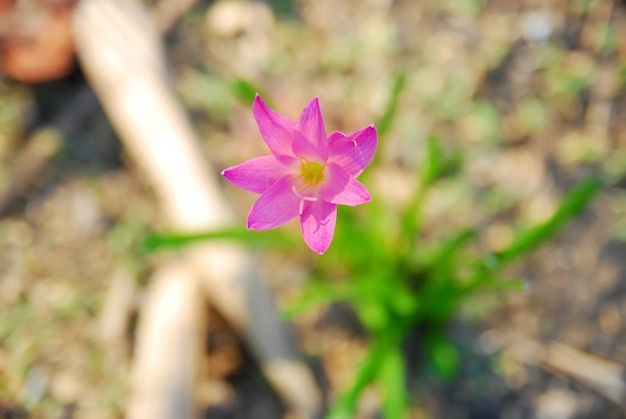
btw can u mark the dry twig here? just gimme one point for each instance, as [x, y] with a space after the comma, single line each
[120, 51]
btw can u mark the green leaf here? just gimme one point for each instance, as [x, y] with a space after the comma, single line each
[344, 406]
[385, 364]
[245, 91]
[317, 293]
[573, 203]
[403, 301]
[384, 123]
[443, 258]
[440, 296]
[250, 238]
[443, 357]
[391, 377]
[504, 285]
[433, 163]
[372, 312]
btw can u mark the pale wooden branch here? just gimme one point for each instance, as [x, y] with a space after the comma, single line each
[168, 347]
[121, 54]
[605, 377]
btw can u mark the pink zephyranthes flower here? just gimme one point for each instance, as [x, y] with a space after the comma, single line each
[307, 174]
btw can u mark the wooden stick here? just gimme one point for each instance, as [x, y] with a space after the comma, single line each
[601, 375]
[120, 52]
[168, 348]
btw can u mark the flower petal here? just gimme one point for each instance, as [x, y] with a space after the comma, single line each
[354, 152]
[275, 206]
[303, 148]
[276, 129]
[318, 224]
[341, 188]
[257, 174]
[311, 125]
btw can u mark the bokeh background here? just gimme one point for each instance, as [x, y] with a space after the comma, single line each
[528, 95]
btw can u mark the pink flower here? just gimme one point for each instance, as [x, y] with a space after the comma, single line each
[307, 174]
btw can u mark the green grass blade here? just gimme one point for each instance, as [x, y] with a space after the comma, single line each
[250, 238]
[443, 258]
[345, 405]
[383, 125]
[433, 163]
[391, 377]
[574, 202]
[316, 294]
[245, 91]
[443, 356]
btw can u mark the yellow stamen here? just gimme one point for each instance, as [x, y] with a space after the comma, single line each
[311, 172]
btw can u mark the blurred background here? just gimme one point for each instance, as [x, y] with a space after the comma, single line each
[523, 99]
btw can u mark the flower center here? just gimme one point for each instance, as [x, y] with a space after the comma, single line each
[311, 173]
